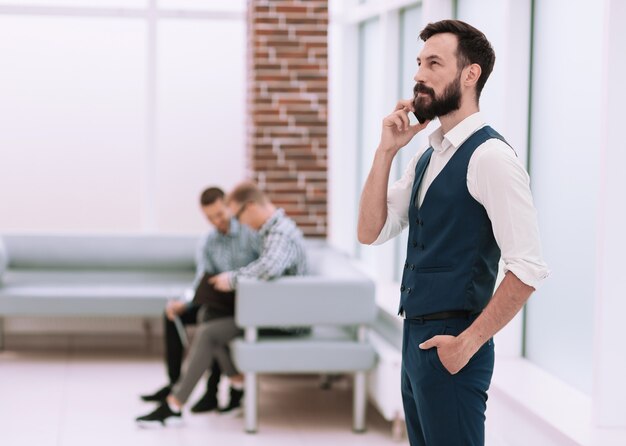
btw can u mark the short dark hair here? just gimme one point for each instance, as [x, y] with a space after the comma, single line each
[211, 195]
[247, 192]
[473, 47]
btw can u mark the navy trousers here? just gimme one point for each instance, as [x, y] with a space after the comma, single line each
[443, 409]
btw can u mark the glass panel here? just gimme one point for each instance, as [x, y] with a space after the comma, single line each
[369, 113]
[410, 46]
[369, 95]
[201, 116]
[72, 120]
[497, 95]
[564, 169]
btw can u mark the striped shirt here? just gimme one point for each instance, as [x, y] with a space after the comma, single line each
[282, 253]
[219, 252]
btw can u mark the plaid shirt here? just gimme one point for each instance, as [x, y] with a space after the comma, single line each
[282, 251]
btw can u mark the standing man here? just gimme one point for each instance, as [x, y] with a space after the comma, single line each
[229, 246]
[467, 202]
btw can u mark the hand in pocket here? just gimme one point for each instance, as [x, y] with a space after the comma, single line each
[453, 353]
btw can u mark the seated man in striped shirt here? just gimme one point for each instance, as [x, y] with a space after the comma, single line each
[227, 246]
[282, 254]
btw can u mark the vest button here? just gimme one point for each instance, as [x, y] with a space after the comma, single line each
[421, 222]
[412, 267]
[402, 288]
[406, 265]
[409, 290]
[414, 244]
[417, 220]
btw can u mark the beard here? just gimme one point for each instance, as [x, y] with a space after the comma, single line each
[449, 101]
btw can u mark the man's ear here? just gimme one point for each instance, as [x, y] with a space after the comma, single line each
[471, 74]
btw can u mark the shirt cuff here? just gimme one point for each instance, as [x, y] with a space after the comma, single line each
[232, 280]
[531, 278]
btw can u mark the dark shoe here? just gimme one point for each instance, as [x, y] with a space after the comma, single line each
[159, 415]
[159, 396]
[207, 403]
[234, 406]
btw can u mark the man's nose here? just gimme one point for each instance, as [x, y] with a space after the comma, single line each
[419, 76]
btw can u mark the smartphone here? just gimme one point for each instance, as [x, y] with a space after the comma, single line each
[420, 119]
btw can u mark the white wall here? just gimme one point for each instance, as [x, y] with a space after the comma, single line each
[115, 120]
[201, 116]
[609, 358]
[71, 123]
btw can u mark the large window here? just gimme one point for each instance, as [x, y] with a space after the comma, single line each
[410, 46]
[504, 100]
[387, 49]
[387, 38]
[548, 96]
[564, 167]
[368, 109]
[115, 114]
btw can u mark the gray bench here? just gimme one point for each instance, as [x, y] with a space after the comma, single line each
[58, 275]
[336, 300]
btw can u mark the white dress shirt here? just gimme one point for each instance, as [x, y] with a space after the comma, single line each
[497, 180]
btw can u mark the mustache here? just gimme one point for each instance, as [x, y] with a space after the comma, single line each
[421, 88]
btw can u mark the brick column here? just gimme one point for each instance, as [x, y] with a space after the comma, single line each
[287, 106]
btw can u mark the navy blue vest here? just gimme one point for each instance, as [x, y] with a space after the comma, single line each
[452, 255]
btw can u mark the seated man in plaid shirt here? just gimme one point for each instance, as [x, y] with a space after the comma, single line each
[282, 254]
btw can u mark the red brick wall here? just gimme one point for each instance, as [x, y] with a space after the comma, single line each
[287, 106]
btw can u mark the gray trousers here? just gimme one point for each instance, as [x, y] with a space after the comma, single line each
[209, 343]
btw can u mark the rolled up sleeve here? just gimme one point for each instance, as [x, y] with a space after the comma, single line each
[498, 181]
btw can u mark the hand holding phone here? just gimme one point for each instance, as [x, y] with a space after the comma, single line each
[397, 129]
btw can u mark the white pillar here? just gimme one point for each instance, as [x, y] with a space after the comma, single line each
[609, 390]
[342, 132]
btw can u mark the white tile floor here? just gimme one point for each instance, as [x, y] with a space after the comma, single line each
[67, 399]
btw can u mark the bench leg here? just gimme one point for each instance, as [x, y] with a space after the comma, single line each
[360, 402]
[251, 403]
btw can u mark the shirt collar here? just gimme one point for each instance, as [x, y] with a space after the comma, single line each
[457, 135]
[267, 226]
[234, 228]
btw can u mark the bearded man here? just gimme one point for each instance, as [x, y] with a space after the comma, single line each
[467, 202]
